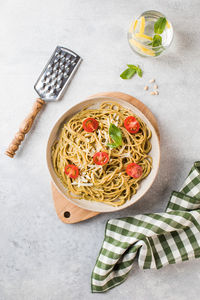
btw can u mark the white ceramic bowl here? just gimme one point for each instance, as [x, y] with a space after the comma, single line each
[144, 184]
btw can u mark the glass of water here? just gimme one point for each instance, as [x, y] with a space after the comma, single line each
[148, 39]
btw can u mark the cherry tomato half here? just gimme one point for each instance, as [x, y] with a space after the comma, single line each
[90, 124]
[131, 124]
[72, 171]
[101, 158]
[134, 170]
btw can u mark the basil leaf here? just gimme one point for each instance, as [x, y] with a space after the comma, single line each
[116, 136]
[139, 71]
[128, 73]
[159, 26]
[112, 145]
[157, 40]
[132, 67]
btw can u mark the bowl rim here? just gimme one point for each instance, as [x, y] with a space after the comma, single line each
[49, 145]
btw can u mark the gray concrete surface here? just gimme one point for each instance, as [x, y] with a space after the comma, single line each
[40, 257]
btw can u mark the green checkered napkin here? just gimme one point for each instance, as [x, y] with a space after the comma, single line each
[158, 239]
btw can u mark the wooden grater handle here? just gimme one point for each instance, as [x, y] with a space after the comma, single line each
[24, 128]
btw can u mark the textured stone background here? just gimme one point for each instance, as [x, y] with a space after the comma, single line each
[41, 258]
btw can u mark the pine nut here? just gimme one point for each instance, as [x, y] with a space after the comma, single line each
[156, 92]
[146, 88]
[155, 86]
[152, 80]
[152, 93]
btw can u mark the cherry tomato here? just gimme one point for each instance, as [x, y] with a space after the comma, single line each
[134, 170]
[131, 124]
[101, 158]
[90, 124]
[72, 171]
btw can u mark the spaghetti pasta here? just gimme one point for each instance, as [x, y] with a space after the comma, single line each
[108, 183]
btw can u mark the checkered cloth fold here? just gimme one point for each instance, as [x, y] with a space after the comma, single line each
[158, 239]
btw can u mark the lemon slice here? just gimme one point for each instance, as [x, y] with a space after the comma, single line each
[135, 25]
[141, 47]
[142, 24]
[168, 25]
[144, 36]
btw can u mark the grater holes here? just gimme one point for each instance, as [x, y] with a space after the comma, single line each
[56, 66]
[48, 73]
[58, 89]
[58, 84]
[57, 54]
[73, 59]
[54, 81]
[67, 65]
[63, 60]
[60, 77]
[54, 75]
[56, 60]
[43, 86]
[68, 56]
[48, 80]
[49, 67]
[44, 79]
[62, 55]
[67, 70]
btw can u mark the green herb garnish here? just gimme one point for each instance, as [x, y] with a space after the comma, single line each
[157, 40]
[139, 72]
[128, 73]
[116, 135]
[159, 26]
[131, 71]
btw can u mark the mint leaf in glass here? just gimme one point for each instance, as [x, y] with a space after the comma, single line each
[157, 40]
[159, 25]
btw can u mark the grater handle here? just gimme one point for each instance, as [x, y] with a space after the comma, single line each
[24, 128]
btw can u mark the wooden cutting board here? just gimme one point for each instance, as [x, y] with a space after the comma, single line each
[65, 209]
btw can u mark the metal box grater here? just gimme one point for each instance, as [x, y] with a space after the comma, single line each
[57, 74]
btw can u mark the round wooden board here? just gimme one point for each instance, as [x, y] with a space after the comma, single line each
[65, 209]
